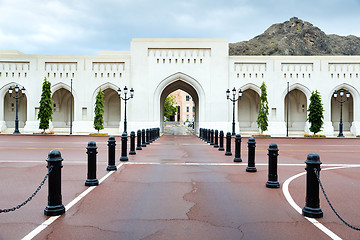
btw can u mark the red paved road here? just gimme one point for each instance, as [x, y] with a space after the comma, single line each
[167, 201]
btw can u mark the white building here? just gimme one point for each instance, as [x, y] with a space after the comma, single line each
[201, 67]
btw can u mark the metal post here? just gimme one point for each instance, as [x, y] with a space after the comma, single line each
[208, 137]
[125, 120]
[91, 151]
[233, 123]
[143, 138]
[132, 143]
[55, 206]
[111, 154]
[341, 122]
[138, 138]
[228, 144]
[251, 155]
[16, 131]
[216, 145]
[272, 176]
[312, 208]
[124, 147]
[237, 148]
[147, 136]
[151, 130]
[71, 106]
[287, 110]
[200, 132]
[221, 140]
[212, 137]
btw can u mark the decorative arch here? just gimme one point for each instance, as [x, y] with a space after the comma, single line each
[7, 111]
[299, 97]
[300, 87]
[248, 107]
[60, 85]
[353, 92]
[112, 104]
[62, 111]
[107, 85]
[349, 107]
[184, 82]
[252, 87]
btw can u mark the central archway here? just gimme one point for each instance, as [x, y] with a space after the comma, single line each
[185, 83]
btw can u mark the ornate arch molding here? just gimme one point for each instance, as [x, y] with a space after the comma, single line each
[299, 87]
[5, 89]
[179, 81]
[107, 85]
[60, 85]
[182, 77]
[251, 86]
[353, 92]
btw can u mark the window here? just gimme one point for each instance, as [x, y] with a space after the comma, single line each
[187, 109]
[187, 97]
[193, 108]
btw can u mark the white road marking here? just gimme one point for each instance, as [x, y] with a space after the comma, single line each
[50, 220]
[299, 210]
[288, 197]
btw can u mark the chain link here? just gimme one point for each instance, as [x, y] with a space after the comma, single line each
[327, 199]
[31, 197]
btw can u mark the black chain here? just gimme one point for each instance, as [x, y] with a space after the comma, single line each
[327, 199]
[31, 197]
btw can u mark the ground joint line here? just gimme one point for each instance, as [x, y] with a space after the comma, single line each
[50, 220]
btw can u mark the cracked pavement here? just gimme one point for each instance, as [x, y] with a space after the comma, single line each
[169, 200]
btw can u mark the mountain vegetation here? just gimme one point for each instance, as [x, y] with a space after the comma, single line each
[298, 38]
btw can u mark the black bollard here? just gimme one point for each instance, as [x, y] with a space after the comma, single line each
[221, 140]
[208, 136]
[138, 140]
[216, 138]
[124, 147]
[272, 176]
[91, 176]
[205, 135]
[228, 144]
[132, 143]
[312, 208]
[237, 148]
[111, 154]
[143, 138]
[212, 137]
[55, 206]
[151, 135]
[251, 155]
[200, 133]
[147, 136]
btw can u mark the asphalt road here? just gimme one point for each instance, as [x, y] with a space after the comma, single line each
[178, 187]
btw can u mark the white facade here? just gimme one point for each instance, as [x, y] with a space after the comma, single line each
[202, 67]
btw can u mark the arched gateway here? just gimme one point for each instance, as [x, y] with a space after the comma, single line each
[172, 83]
[201, 67]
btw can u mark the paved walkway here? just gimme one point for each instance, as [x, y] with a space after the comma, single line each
[178, 187]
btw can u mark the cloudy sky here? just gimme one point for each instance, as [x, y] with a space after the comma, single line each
[90, 26]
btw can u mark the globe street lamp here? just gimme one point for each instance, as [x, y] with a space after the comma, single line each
[16, 97]
[234, 99]
[341, 101]
[125, 99]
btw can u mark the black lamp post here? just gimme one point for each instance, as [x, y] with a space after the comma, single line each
[341, 101]
[125, 99]
[234, 99]
[16, 97]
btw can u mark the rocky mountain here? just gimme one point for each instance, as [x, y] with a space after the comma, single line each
[296, 37]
